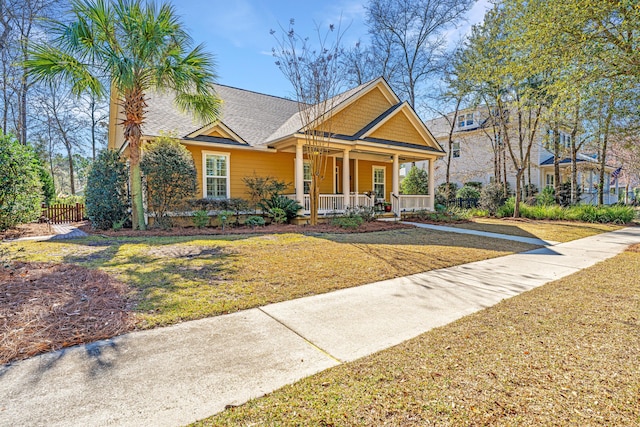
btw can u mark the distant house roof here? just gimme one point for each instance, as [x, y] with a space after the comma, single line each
[579, 158]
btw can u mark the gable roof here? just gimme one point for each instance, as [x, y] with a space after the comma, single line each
[250, 115]
[255, 119]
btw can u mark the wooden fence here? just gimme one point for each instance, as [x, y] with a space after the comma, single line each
[57, 214]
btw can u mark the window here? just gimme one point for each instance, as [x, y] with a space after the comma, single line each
[465, 120]
[216, 175]
[306, 177]
[455, 150]
[378, 182]
[550, 180]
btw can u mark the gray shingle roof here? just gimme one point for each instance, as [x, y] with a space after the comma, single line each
[252, 116]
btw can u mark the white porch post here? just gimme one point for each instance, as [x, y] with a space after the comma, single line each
[355, 175]
[432, 180]
[395, 187]
[299, 174]
[345, 177]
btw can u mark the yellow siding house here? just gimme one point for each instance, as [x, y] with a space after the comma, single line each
[373, 132]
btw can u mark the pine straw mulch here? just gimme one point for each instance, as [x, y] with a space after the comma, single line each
[27, 230]
[45, 307]
[367, 227]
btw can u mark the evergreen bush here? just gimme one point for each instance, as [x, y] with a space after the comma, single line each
[20, 186]
[106, 193]
[170, 177]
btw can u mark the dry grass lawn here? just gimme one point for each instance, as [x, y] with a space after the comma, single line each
[563, 354]
[184, 278]
[559, 231]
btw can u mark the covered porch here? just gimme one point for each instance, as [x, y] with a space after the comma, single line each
[366, 176]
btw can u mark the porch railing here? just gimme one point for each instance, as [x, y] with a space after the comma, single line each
[407, 202]
[330, 203]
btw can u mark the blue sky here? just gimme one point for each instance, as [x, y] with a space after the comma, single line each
[237, 33]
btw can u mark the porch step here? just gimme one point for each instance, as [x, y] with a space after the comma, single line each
[388, 216]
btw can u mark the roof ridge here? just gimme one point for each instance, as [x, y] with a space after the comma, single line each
[256, 92]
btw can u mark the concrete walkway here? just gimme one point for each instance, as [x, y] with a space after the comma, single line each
[531, 240]
[179, 374]
[62, 231]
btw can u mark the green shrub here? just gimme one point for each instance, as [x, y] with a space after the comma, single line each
[564, 194]
[278, 215]
[20, 186]
[289, 206]
[170, 177]
[416, 182]
[48, 188]
[492, 197]
[106, 193]
[468, 192]
[446, 194]
[367, 213]
[262, 188]
[547, 197]
[254, 221]
[224, 217]
[507, 208]
[475, 184]
[200, 218]
[348, 222]
[601, 214]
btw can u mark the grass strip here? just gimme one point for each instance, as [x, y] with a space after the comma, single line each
[562, 354]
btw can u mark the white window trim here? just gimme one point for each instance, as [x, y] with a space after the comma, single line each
[454, 149]
[384, 180]
[310, 180]
[204, 171]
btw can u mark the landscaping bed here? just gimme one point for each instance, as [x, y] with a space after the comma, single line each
[366, 227]
[45, 307]
[562, 354]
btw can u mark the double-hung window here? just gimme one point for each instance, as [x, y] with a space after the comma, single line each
[306, 178]
[455, 149]
[378, 182]
[216, 175]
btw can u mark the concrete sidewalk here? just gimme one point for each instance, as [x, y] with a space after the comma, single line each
[175, 375]
[459, 230]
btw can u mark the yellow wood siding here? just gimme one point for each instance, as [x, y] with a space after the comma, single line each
[218, 133]
[399, 128]
[245, 163]
[359, 114]
[365, 177]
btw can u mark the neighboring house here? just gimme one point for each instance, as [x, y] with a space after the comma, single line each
[374, 132]
[473, 158]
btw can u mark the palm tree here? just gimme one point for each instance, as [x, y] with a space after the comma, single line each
[137, 47]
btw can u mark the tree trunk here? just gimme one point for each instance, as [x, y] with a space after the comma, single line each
[556, 163]
[72, 180]
[516, 208]
[137, 202]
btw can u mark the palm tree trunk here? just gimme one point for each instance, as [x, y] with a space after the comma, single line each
[134, 105]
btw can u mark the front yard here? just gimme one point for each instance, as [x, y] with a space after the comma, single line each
[165, 280]
[562, 354]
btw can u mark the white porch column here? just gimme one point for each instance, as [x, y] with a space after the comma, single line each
[355, 176]
[432, 180]
[395, 187]
[299, 174]
[345, 178]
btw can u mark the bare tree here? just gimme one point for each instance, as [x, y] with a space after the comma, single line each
[19, 21]
[412, 36]
[316, 74]
[61, 121]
